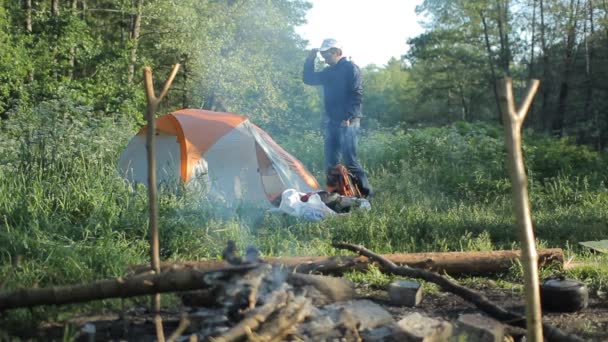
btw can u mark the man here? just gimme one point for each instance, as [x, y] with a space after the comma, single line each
[343, 92]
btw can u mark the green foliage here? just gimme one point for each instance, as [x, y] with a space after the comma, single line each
[389, 95]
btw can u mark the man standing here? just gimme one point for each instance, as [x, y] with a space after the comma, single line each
[343, 93]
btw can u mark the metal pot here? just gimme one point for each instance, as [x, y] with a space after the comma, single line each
[563, 295]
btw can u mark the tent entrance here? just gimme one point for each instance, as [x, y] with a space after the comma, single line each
[271, 181]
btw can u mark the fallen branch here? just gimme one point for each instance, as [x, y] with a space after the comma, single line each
[449, 262]
[479, 300]
[142, 284]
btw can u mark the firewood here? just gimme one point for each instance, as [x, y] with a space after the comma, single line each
[255, 317]
[330, 289]
[474, 262]
[479, 300]
[142, 284]
[286, 320]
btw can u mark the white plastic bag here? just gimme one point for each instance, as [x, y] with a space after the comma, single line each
[313, 209]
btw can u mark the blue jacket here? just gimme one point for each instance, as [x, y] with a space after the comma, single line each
[342, 88]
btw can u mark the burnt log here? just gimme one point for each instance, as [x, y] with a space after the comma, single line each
[445, 262]
[138, 285]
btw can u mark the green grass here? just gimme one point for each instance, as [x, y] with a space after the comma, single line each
[66, 216]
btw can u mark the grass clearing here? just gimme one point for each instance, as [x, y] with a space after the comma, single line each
[66, 218]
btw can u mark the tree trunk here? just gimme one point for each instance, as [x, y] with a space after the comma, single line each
[54, 8]
[56, 57]
[589, 112]
[72, 52]
[135, 30]
[531, 64]
[502, 19]
[463, 103]
[546, 115]
[27, 8]
[533, 42]
[491, 64]
[83, 3]
[557, 126]
[448, 262]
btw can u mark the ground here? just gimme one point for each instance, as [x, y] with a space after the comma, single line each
[590, 323]
[137, 325]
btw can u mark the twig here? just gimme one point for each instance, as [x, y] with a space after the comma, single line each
[479, 300]
[184, 322]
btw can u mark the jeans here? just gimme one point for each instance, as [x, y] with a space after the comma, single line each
[341, 141]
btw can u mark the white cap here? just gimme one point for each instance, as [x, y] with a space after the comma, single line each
[330, 43]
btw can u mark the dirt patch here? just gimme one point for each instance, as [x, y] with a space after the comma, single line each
[137, 324]
[590, 323]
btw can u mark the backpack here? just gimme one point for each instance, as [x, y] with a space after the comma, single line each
[340, 181]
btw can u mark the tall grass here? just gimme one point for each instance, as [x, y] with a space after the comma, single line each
[67, 217]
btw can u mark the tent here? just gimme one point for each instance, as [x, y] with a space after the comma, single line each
[233, 158]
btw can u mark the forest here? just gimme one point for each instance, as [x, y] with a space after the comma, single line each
[72, 95]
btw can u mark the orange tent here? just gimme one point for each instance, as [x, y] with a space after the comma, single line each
[229, 155]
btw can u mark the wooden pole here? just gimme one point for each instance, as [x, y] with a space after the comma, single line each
[151, 108]
[513, 119]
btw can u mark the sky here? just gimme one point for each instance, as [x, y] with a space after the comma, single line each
[371, 31]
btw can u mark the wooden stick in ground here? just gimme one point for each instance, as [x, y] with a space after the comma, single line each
[479, 300]
[151, 108]
[513, 119]
[142, 284]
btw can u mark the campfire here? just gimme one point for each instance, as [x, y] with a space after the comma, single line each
[271, 303]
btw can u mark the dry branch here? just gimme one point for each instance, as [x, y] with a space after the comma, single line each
[479, 300]
[449, 262]
[142, 284]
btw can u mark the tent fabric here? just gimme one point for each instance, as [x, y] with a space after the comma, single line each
[232, 157]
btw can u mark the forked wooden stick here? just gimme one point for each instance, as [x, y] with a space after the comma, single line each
[152, 106]
[478, 299]
[513, 119]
